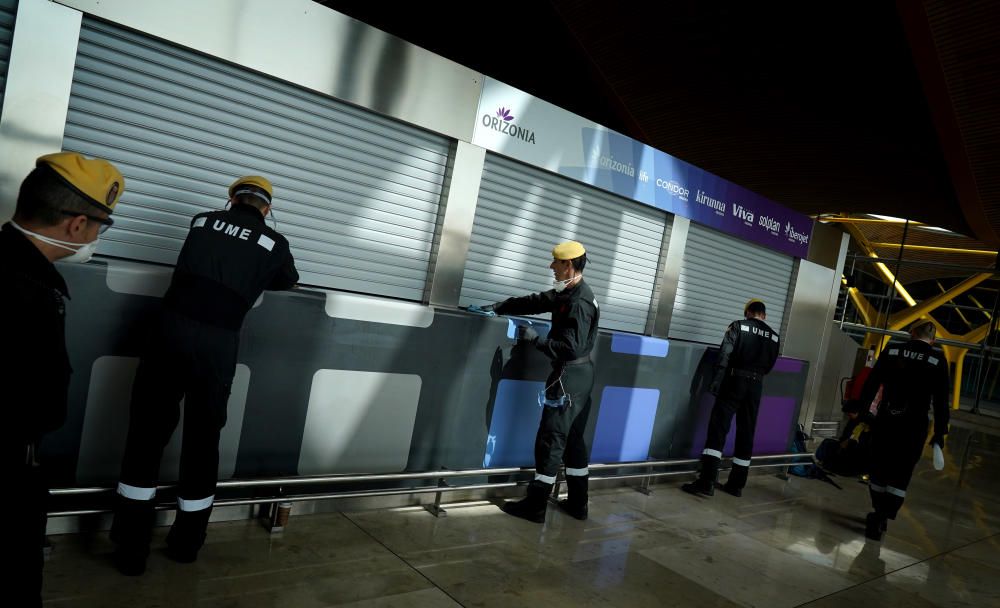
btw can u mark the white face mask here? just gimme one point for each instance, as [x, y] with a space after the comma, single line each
[82, 252]
[561, 285]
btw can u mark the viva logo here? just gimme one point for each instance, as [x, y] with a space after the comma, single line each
[503, 122]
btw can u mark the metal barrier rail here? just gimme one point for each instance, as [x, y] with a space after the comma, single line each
[791, 458]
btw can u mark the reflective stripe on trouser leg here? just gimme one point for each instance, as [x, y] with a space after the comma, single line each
[738, 476]
[571, 472]
[549, 479]
[741, 462]
[199, 504]
[135, 492]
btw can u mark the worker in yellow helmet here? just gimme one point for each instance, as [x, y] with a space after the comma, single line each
[566, 397]
[64, 204]
[748, 352]
[228, 259]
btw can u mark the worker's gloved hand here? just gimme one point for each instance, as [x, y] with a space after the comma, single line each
[938, 440]
[486, 310]
[528, 334]
[714, 387]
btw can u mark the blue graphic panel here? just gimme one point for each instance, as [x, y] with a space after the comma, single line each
[516, 414]
[631, 344]
[625, 424]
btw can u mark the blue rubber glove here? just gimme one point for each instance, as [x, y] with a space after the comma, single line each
[486, 311]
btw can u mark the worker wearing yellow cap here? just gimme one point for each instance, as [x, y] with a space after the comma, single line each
[63, 206]
[228, 259]
[748, 352]
[566, 397]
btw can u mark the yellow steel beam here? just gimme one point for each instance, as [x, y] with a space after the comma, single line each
[904, 317]
[863, 220]
[868, 312]
[957, 310]
[982, 308]
[938, 249]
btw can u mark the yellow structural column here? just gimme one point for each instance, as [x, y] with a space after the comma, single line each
[956, 356]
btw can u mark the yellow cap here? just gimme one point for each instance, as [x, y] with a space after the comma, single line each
[570, 250]
[97, 180]
[253, 180]
[746, 307]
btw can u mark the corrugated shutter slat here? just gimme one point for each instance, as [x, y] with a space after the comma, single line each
[522, 212]
[718, 275]
[356, 194]
[8, 9]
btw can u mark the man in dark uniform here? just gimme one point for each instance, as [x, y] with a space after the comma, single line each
[228, 259]
[566, 397]
[62, 207]
[912, 375]
[748, 352]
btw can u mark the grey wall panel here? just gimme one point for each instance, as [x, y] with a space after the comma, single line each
[105, 424]
[346, 430]
[718, 275]
[356, 194]
[522, 212]
[8, 8]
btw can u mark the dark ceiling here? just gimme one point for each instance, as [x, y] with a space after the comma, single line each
[846, 107]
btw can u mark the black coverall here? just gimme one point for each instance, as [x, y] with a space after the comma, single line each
[35, 379]
[228, 259]
[748, 352]
[912, 375]
[575, 316]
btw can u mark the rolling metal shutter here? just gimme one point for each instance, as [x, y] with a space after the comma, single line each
[718, 275]
[357, 195]
[522, 212]
[8, 8]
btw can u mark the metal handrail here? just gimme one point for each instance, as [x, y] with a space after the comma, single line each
[794, 458]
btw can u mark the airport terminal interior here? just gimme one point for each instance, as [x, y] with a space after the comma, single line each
[288, 249]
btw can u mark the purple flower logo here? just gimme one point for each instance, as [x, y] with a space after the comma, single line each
[505, 114]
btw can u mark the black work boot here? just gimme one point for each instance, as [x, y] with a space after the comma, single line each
[531, 507]
[875, 526]
[132, 532]
[187, 535]
[737, 480]
[705, 484]
[576, 505]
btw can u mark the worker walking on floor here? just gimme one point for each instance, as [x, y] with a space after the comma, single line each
[912, 376]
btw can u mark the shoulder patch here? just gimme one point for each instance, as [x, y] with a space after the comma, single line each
[266, 242]
[893, 352]
[200, 222]
[744, 327]
[774, 337]
[932, 360]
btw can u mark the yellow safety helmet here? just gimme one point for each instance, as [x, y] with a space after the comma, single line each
[570, 250]
[253, 180]
[95, 179]
[751, 301]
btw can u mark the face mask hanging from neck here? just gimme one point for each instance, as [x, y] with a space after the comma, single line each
[562, 285]
[82, 252]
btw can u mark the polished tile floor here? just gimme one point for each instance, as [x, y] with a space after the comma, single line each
[794, 543]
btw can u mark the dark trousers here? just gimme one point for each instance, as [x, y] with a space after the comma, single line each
[194, 361]
[560, 433]
[25, 518]
[897, 444]
[739, 397]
